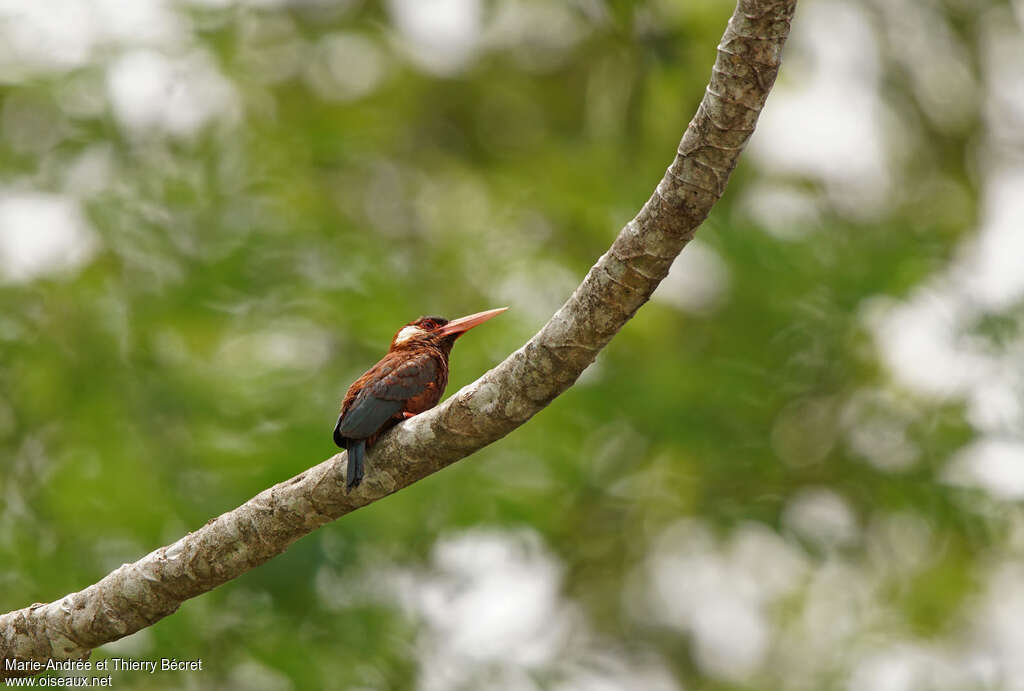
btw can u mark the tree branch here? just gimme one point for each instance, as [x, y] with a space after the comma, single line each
[137, 595]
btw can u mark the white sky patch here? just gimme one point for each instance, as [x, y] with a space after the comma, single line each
[876, 424]
[270, 47]
[821, 516]
[992, 265]
[42, 234]
[731, 638]
[905, 666]
[1003, 67]
[719, 593]
[493, 616]
[339, 5]
[289, 345]
[253, 674]
[37, 36]
[154, 92]
[998, 628]
[825, 120]
[440, 36]
[90, 172]
[612, 672]
[938, 63]
[996, 404]
[838, 605]
[140, 22]
[346, 66]
[785, 211]
[538, 33]
[537, 287]
[919, 341]
[59, 35]
[490, 604]
[509, 608]
[924, 340]
[725, 593]
[698, 280]
[993, 464]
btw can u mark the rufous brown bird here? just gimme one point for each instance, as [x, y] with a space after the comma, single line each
[408, 380]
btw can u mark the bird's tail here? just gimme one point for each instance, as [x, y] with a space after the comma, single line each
[354, 471]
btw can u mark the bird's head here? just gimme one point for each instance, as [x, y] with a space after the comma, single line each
[439, 332]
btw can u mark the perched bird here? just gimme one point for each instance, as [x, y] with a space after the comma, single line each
[408, 380]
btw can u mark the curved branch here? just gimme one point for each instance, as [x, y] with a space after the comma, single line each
[137, 595]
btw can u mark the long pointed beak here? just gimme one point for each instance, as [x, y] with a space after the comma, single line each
[463, 324]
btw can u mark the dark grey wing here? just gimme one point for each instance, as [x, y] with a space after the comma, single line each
[384, 396]
[365, 416]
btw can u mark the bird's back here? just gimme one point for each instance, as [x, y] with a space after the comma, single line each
[402, 381]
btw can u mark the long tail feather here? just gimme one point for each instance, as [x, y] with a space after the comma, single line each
[354, 471]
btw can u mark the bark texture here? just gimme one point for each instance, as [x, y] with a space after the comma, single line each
[137, 595]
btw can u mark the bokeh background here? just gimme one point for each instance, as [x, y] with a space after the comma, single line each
[800, 466]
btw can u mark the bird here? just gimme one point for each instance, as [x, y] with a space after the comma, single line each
[410, 379]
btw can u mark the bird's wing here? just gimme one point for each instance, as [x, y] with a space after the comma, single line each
[384, 395]
[409, 378]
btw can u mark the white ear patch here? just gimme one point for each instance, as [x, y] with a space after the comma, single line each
[407, 333]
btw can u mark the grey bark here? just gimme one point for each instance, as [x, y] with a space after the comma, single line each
[137, 595]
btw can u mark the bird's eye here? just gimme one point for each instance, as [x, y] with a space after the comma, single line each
[430, 324]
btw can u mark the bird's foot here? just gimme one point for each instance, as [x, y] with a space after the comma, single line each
[408, 415]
